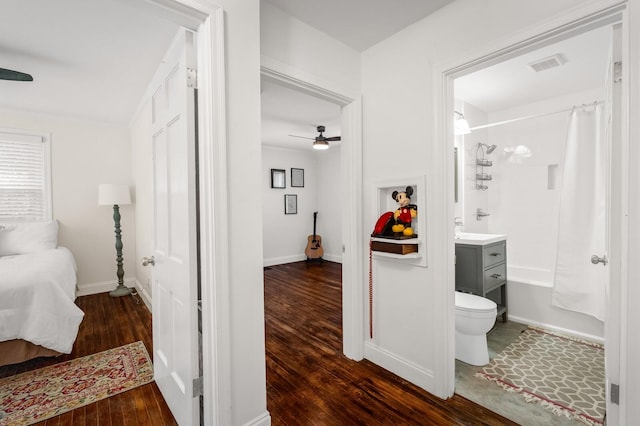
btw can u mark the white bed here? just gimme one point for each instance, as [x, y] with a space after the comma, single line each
[37, 294]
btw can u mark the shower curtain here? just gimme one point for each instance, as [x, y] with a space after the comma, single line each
[580, 285]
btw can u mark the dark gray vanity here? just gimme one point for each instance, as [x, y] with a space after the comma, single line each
[481, 267]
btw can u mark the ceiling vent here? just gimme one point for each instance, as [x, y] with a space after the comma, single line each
[547, 63]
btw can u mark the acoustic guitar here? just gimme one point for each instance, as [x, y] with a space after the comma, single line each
[314, 243]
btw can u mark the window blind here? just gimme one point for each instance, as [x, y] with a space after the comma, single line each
[24, 178]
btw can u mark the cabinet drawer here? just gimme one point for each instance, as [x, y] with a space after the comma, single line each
[494, 254]
[495, 276]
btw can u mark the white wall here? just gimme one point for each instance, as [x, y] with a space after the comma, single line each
[142, 176]
[244, 181]
[286, 235]
[330, 213]
[475, 198]
[85, 154]
[296, 48]
[398, 82]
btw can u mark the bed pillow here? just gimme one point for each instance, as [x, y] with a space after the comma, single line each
[31, 237]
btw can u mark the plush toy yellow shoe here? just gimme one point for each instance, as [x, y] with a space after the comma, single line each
[407, 231]
[397, 228]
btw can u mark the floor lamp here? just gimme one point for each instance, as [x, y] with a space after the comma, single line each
[116, 195]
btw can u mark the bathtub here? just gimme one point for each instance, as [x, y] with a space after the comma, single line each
[529, 302]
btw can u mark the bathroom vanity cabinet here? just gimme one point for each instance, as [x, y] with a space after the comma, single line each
[482, 270]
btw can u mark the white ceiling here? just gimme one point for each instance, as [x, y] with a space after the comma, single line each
[359, 23]
[90, 59]
[514, 83]
[289, 112]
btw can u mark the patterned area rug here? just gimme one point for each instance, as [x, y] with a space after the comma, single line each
[37, 395]
[563, 374]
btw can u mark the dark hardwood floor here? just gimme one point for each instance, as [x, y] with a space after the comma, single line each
[310, 382]
[109, 323]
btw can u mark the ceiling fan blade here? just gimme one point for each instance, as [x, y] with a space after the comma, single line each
[302, 137]
[334, 138]
[6, 74]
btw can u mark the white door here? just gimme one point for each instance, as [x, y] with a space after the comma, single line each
[175, 320]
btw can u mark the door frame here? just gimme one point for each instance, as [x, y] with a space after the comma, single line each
[351, 199]
[206, 19]
[579, 20]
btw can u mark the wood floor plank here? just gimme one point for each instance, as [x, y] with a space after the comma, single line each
[104, 412]
[65, 419]
[310, 381]
[109, 323]
[163, 407]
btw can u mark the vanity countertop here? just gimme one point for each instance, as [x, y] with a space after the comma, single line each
[478, 239]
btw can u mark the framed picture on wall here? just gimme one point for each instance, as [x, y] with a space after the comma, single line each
[278, 178]
[290, 204]
[297, 178]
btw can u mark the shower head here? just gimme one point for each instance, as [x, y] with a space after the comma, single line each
[490, 148]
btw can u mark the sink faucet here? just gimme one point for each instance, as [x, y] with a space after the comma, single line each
[480, 214]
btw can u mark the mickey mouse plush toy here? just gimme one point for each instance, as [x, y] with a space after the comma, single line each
[405, 213]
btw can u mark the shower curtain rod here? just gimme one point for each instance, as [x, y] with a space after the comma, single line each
[513, 120]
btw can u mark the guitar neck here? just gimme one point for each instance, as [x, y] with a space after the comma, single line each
[315, 215]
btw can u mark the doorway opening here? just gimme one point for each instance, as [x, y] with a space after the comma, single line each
[300, 191]
[509, 171]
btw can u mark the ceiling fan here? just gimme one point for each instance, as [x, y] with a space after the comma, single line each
[6, 74]
[320, 141]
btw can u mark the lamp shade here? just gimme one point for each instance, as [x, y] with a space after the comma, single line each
[113, 193]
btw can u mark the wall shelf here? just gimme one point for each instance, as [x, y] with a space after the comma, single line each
[417, 241]
[481, 163]
[397, 256]
[385, 203]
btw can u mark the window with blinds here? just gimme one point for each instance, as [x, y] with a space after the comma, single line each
[25, 177]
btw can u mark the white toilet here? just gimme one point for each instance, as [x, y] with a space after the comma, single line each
[475, 316]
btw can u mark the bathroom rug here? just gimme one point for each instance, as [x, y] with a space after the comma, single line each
[562, 373]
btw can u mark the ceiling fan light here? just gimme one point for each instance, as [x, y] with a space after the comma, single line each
[320, 145]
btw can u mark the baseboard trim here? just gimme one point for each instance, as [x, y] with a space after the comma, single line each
[402, 367]
[262, 420]
[298, 258]
[282, 260]
[560, 330]
[102, 287]
[332, 257]
[144, 295]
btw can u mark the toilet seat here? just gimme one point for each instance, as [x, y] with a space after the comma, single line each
[471, 303]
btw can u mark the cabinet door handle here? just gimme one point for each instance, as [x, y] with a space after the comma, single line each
[495, 254]
[496, 275]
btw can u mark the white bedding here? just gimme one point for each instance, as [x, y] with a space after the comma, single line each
[37, 293]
